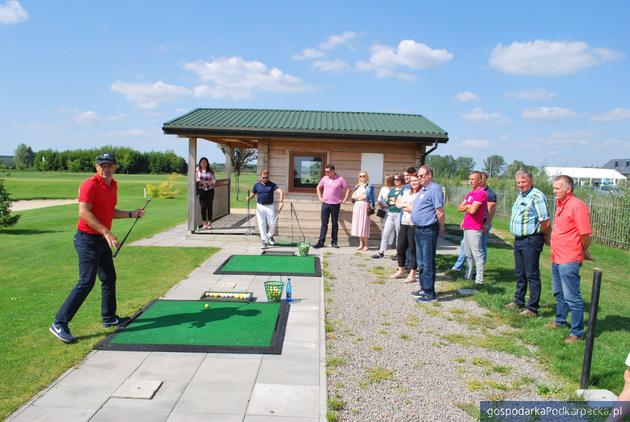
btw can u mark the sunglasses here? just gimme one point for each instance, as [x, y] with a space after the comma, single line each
[422, 175]
[362, 175]
[396, 180]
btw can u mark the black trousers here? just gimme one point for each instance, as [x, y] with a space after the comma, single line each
[205, 200]
[95, 258]
[527, 270]
[406, 247]
[329, 210]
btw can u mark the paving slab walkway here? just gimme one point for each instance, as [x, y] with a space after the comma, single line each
[205, 386]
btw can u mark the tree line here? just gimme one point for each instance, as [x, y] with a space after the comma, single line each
[129, 160]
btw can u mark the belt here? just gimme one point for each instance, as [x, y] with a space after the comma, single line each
[271, 203]
[527, 236]
[430, 226]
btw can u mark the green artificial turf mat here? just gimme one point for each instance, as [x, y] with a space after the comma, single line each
[187, 325]
[271, 265]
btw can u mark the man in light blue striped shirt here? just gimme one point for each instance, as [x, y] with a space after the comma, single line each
[531, 227]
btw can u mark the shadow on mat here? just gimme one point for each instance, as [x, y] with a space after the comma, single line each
[196, 320]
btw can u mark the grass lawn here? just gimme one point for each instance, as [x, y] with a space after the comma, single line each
[612, 342]
[39, 267]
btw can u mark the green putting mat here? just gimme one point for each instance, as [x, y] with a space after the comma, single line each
[188, 326]
[271, 265]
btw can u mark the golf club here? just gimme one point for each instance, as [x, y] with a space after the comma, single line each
[132, 226]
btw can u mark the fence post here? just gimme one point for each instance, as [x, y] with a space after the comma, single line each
[590, 335]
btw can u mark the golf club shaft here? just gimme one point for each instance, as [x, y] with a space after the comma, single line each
[129, 231]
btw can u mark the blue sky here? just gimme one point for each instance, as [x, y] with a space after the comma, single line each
[543, 82]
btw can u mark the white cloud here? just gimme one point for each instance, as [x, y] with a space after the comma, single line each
[466, 96]
[309, 53]
[235, 78]
[615, 114]
[409, 53]
[336, 65]
[331, 43]
[475, 143]
[85, 117]
[547, 113]
[336, 40]
[532, 94]
[542, 57]
[12, 12]
[477, 115]
[149, 95]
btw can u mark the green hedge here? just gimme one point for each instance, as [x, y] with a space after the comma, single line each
[129, 160]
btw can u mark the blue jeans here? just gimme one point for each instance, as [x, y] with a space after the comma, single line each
[329, 210]
[95, 258]
[461, 259]
[565, 286]
[527, 270]
[426, 246]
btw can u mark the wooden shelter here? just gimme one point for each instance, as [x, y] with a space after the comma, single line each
[295, 145]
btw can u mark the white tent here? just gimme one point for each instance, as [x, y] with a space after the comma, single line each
[588, 176]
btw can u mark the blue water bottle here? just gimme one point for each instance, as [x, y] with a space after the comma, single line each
[289, 290]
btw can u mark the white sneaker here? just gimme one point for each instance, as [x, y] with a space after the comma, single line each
[263, 245]
[271, 241]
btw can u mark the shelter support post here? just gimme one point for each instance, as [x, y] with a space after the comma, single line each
[192, 185]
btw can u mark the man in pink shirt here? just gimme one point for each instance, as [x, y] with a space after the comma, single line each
[332, 191]
[570, 239]
[474, 209]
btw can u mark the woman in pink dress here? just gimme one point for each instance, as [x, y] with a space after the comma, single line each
[363, 199]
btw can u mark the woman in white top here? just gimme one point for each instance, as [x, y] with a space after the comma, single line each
[406, 235]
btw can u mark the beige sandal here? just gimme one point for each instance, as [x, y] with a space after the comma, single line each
[398, 275]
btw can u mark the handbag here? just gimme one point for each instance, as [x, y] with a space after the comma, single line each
[381, 213]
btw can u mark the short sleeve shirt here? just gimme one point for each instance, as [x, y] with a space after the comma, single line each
[103, 198]
[264, 192]
[427, 201]
[571, 221]
[528, 211]
[475, 221]
[334, 189]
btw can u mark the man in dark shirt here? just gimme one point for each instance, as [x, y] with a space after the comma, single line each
[265, 212]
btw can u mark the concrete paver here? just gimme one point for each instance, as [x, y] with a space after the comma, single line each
[196, 386]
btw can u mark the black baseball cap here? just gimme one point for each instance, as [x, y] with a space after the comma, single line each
[106, 157]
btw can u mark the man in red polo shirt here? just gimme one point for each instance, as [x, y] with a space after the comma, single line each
[570, 239]
[93, 242]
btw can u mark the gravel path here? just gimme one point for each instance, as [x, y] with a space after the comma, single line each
[391, 359]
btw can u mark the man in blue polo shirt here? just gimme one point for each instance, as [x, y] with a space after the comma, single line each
[428, 216]
[265, 212]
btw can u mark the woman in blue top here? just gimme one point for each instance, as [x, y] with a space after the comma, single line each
[363, 199]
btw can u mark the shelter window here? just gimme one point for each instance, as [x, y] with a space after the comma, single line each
[305, 170]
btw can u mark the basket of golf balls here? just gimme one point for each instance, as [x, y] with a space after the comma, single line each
[228, 296]
[303, 248]
[273, 290]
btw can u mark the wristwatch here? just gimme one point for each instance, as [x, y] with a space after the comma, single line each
[129, 213]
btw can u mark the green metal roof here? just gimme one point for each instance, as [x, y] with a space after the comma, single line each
[300, 123]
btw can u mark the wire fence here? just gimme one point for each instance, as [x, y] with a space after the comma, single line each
[610, 215]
